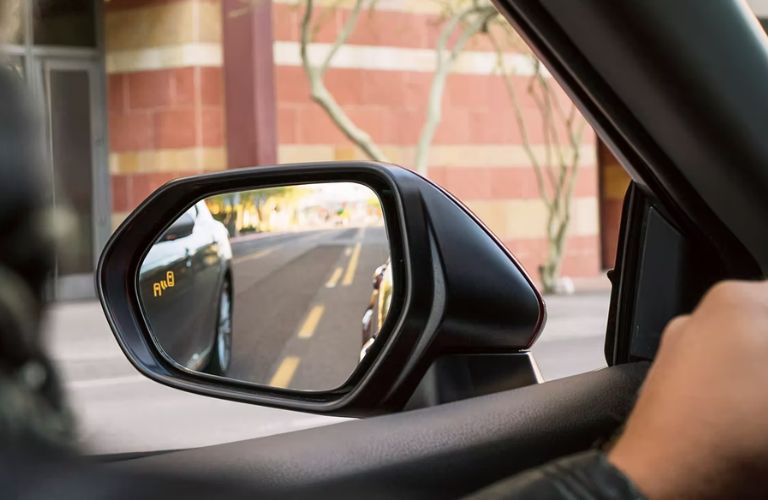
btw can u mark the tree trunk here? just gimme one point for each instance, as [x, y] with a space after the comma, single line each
[549, 271]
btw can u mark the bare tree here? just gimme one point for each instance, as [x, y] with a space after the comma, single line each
[470, 20]
[319, 92]
[464, 24]
[556, 162]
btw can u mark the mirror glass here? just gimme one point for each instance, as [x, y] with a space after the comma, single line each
[284, 286]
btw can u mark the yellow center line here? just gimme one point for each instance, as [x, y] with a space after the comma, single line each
[267, 251]
[349, 276]
[310, 324]
[335, 277]
[257, 255]
[284, 373]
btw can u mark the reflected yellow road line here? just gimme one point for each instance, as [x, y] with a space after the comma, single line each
[335, 277]
[349, 276]
[263, 253]
[284, 373]
[310, 324]
[257, 255]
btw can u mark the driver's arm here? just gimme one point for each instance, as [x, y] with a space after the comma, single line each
[700, 425]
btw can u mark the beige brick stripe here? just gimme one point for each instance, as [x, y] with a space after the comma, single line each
[384, 58]
[365, 57]
[410, 6]
[164, 24]
[526, 219]
[175, 56]
[464, 156]
[163, 36]
[118, 218]
[455, 155]
[188, 33]
[168, 160]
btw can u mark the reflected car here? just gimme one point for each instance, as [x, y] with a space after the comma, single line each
[378, 306]
[186, 286]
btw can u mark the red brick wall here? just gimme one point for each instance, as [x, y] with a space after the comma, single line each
[166, 99]
[169, 121]
[391, 105]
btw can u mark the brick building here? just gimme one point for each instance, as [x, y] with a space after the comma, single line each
[179, 87]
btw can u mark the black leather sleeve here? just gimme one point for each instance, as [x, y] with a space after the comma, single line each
[584, 476]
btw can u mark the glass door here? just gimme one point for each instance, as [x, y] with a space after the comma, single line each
[76, 143]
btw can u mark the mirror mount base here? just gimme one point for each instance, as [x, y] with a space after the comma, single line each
[455, 377]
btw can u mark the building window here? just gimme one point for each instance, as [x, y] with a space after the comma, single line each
[69, 23]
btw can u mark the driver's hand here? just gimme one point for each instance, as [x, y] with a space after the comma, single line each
[700, 426]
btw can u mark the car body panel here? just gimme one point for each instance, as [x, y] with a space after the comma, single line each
[184, 315]
[378, 306]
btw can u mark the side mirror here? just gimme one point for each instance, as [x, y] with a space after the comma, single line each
[271, 301]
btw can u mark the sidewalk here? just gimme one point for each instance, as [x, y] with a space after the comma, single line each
[575, 316]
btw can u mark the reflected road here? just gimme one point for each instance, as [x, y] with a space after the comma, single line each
[299, 303]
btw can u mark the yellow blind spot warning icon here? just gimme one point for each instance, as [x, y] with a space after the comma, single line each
[159, 286]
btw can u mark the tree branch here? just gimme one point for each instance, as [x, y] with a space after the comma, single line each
[545, 109]
[444, 63]
[320, 93]
[562, 158]
[343, 36]
[520, 120]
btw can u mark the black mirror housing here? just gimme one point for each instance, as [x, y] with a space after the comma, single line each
[460, 292]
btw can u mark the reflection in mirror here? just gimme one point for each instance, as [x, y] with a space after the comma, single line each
[271, 286]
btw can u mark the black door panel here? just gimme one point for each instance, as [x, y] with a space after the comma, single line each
[439, 452]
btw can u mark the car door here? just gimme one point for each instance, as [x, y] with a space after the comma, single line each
[656, 95]
[208, 270]
[176, 281]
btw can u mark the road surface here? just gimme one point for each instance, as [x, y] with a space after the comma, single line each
[121, 411]
[299, 299]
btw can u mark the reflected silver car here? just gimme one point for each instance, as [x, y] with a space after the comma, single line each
[186, 287]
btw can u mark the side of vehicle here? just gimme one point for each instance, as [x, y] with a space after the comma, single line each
[378, 306]
[186, 277]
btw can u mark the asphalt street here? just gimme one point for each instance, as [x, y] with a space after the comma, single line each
[121, 411]
[299, 300]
